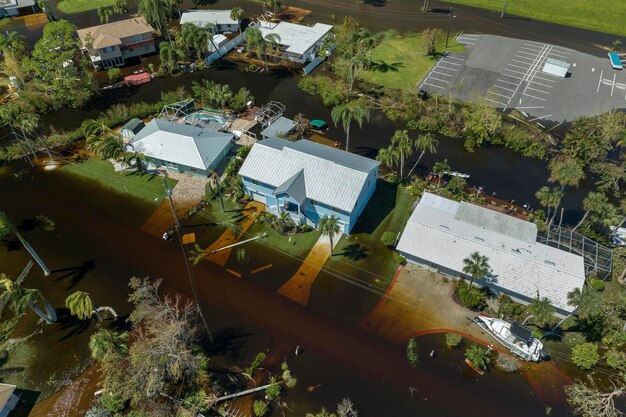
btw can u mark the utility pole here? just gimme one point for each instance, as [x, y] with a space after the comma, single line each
[503, 9]
[219, 190]
[449, 26]
[168, 191]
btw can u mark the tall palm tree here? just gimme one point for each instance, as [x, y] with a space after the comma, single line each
[169, 53]
[540, 310]
[566, 170]
[403, 145]
[237, 14]
[598, 205]
[329, 226]
[260, 45]
[476, 266]
[369, 41]
[551, 199]
[104, 13]
[107, 341]
[21, 298]
[156, 12]
[424, 143]
[346, 113]
[192, 37]
[388, 157]
[439, 169]
[80, 305]
[110, 146]
[478, 355]
[13, 43]
[7, 228]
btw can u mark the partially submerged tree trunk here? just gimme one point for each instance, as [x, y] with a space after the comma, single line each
[32, 252]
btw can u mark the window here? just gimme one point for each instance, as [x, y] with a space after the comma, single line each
[108, 49]
[171, 165]
[138, 38]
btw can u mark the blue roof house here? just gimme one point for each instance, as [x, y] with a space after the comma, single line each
[309, 180]
[181, 147]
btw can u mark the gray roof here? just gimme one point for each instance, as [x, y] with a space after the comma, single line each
[294, 186]
[181, 144]
[282, 125]
[135, 125]
[444, 232]
[328, 175]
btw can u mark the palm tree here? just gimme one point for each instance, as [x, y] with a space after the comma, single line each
[476, 266]
[478, 355]
[193, 37]
[369, 41]
[355, 110]
[156, 12]
[598, 205]
[7, 228]
[80, 305]
[237, 14]
[169, 53]
[388, 157]
[107, 341]
[329, 225]
[565, 170]
[439, 169]
[104, 13]
[20, 298]
[424, 143]
[196, 254]
[110, 146]
[549, 198]
[13, 43]
[540, 309]
[259, 45]
[120, 7]
[403, 145]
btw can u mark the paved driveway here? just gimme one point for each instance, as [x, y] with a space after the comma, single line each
[509, 74]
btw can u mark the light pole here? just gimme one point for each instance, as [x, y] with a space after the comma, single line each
[168, 192]
[449, 26]
[503, 9]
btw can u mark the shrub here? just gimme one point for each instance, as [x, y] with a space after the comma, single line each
[412, 352]
[114, 74]
[272, 393]
[596, 284]
[585, 355]
[388, 239]
[616, 359]
[401, 260]
[508, 363]
[453, 340]
[98, 412]
[113, 403]
[306, 228]
[260, 408]
[258, 360]
[470, 296]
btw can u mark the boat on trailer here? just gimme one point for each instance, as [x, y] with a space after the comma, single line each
[517, 338]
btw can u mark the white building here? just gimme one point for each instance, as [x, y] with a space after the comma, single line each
[442, 232]
[298, 43]
[12, 7]
[216, 21]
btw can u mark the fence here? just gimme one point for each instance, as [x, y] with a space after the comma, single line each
[226, 48]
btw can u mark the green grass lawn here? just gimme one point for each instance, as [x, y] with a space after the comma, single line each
[145, 187]
[399, 61]
[388, 210]
[602, 16]
[77, 6]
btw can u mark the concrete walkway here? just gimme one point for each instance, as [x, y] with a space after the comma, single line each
[251, 212]
[298, 288]
[188, 192]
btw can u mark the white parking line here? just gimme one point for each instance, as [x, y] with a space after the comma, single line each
[543, 85]
[600, 80]
[504, 88]
[443, 73]
[531, 107]
[501, 95]
[433, 85]
[534, 89]
[446, 68]
[519, 66]
[544, 79]
[613, 86]
[497, 102]
[504, 81]
[538, 98]
[531, 49]
[528, 53]
[451, 63]
[525, 57]
[540, 117]
[511, 76]
[532, 43]
[556, 54]
[453, 57]
[432, 77]
[518, 72]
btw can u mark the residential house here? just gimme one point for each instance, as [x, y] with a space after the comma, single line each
[16, 7]
[8, 399]
[278, 128]
[131, 128]
[441, 233]
[309, 180]
[181, 147]
[216, 21]
[298, 43]
[109, 45]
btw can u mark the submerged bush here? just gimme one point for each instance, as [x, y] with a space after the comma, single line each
[508, 363]
[388, 239]
[585, 355]
[453, 340]
[260, 408]
[412, 352]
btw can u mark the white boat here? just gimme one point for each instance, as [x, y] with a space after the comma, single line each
[517, 338]
[456, 174]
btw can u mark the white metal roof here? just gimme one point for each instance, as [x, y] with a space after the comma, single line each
[297, 38]
[440, 237]
[325, 180]
[180, 143]
[202, 18]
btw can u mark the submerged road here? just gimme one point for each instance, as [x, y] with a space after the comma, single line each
[81, 223]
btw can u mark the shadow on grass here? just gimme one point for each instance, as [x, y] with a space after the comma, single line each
[380, 205]
[382, 66]
[354, 251]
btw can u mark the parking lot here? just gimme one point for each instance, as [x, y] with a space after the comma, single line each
[508, 73]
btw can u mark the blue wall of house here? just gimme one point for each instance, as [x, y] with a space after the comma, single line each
[313, 211]
[185, 168]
